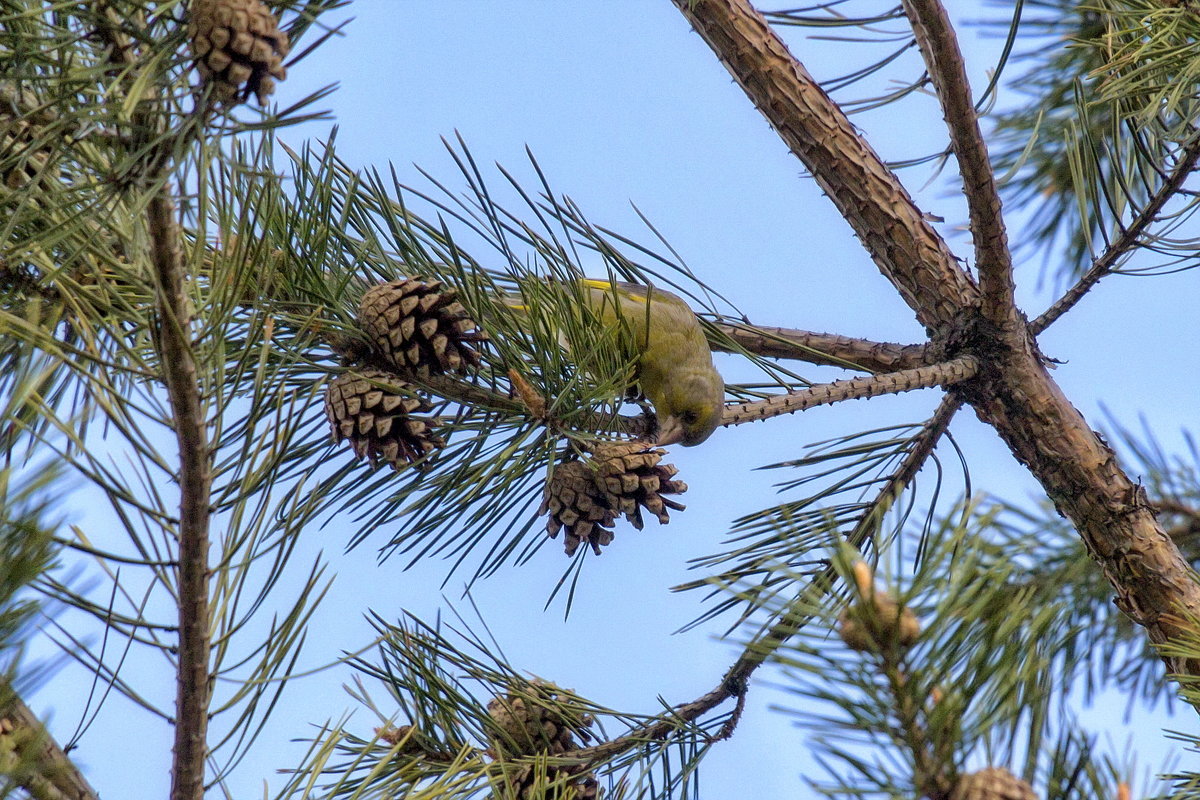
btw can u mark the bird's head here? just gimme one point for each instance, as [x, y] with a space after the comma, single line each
[690, 408]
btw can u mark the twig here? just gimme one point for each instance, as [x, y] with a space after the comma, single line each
[903, 244]
[947, 373]
[529, 396]
[1107, 261]
[944, 64]
[45, 771]
[931, 777]
[792, 617]
[1168, 505]
[827, 349]
[935, 427]
[195, 482]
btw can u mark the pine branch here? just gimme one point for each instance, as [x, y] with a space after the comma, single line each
[1107, 261]
[45, 770]
[174, 343]
[737, 678]
[944, 63]
[195, 483]
[899, 239]
[1013, 393]
[948, 373]
[1155, 585]
[826, 349]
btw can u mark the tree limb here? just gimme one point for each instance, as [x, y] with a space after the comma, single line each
[1013, 392]
[1107, 261]
[44, 770]
[1155, 585]
[944, 63]
[826, 349]
[948, 373]
[794, 616]
[174, 340]
[899, 239]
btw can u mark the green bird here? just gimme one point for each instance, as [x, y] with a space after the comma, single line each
[674, 364]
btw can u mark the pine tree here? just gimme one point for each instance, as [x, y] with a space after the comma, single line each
[233, 342]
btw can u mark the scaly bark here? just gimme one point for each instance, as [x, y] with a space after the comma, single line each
[43, 769]
[827, 349]
[1012, 392]
[1154, 584]
[897, 236]
[951, 372]
[944, 65]
[193, 686]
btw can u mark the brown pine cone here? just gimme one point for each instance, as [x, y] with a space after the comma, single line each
[420, 326]
[993, 783]
[371, 409]
[406, 736]
[238, 48]
[876, 623]
[622, 478]
[576, 505]
[631, 478]
[540, 719]
[531, 782]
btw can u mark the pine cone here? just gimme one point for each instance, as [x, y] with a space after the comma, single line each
[523, 784]
[363, 407]
[238, 48]
[876, 623]
[993, 783]
[419, 326]
[406, 736]
[542, 719]
[623, 478]
[631, 477]
[878, 629]
[574, 503]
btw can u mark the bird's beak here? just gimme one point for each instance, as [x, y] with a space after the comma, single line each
[670, 431]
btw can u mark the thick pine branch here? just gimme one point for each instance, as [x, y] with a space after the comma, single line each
[948, 373]
[1013, 392]
[195, 481]
[1154, 584]
[944, 63]
[901, 241]
[791, 619]
[826, 349]
[1107, 261]
[45, 771]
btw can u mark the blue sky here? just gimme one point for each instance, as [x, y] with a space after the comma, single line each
[621, 103]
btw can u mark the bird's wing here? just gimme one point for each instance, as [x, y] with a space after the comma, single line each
[634, 292]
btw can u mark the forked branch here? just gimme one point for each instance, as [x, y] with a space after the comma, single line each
[1107, 261]
[944, 63]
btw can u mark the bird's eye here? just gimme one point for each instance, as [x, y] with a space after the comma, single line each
[690, 417]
